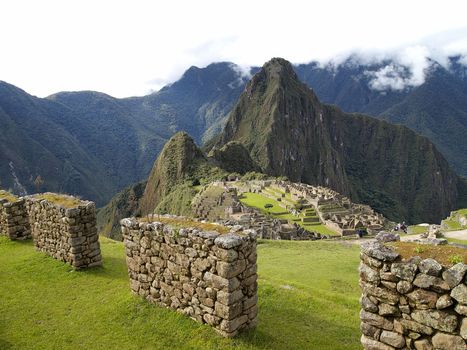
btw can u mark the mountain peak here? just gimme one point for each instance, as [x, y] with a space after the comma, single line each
[278, 67]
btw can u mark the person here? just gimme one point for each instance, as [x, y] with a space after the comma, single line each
[403, 227]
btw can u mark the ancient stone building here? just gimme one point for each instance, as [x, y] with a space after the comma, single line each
[67, 231]
[14, 222]
[411, 304]
[207, 276]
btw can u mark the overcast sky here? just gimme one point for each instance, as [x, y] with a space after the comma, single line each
[127, 48]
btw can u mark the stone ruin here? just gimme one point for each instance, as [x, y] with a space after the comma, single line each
[14, 222]
[67, 234]
[411, 304]
[207, 276]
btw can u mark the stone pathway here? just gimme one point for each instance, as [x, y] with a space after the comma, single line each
[461, 234]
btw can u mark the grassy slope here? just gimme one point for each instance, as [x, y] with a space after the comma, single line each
[258, 201]
[46, 305]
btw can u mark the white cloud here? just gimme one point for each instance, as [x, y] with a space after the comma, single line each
[125, 47]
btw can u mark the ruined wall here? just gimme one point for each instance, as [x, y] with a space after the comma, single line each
[67, 234]
[14, 222]
[415, 304]
[205, 275]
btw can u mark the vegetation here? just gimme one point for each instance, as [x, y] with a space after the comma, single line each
[452, 223]
[8, 196]
[62, 200]
[178, 223]
[259, 201]
[417, 229]
[300, 307]
[442, 253]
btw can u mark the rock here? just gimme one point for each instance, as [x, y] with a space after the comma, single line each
[367, 305]
[430, 267]
[461, 309]
[443, 341]
[369, 330]
[379, 251]
[455, 274]
[371, 344]
[427, 281]
[232, 269]
[463, 330]
[368, 274]
[394, 339]
[384, 237]
[404, 287]
[444, 301]
[375, 320]
[228, 241]
[388, 310]
[405, 271]
[417, 327]
[436, 319]
[460, 293]
[423, 299]
[382, 294]
[423, 344]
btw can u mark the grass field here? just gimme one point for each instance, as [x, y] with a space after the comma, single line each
[257, 200]
[308, 299]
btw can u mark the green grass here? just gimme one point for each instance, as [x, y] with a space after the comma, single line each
[452, 224]
[416, 230]
[257, 200]
[458, 241]
[46, 305]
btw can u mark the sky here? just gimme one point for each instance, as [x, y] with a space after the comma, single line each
[130, 48]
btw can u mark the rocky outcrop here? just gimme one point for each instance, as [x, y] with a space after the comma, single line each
[413, 304]
[205, 275]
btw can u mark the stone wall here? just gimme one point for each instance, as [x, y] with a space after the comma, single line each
[67, 234]
[207, 276]
[411, 304]
[14, 222]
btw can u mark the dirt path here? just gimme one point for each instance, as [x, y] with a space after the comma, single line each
[461, 234]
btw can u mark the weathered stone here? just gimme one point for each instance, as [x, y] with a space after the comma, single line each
[423, 344]
[233, 325]
[379, 251]
[385, 237]
[430, 267]
[405, 271]
[371, 344]
[443, 341]
[375, 320]
[388, 276]
[423, 299]
[455, 274]
[394, 339]
[427, 281]
[229, 270]
[436, 319]
[228, 241]
[388, 310]
[417, 327]
[368, 305]
[382, 294]
[463, 330]
[227, 298]
[461, 309]
[444, 302]
[370, 261]
[228, 255]
[370, 331]
[460, 293]
[228, 312]
[368, 274]
[404, 287]
[389, 285]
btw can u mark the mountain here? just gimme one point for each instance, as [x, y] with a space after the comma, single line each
[289, 132]
[93, 145]
[172, 184]
[435, 108]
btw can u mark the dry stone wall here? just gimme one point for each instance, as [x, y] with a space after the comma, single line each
[413, 304]
[14, 222]
[205, 275]
[67, 234]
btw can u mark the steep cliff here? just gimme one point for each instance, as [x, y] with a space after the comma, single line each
[288, 131]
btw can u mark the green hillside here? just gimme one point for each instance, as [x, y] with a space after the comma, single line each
[308, 299]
